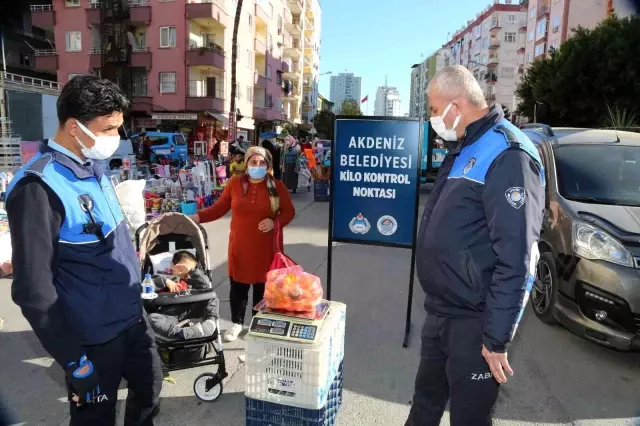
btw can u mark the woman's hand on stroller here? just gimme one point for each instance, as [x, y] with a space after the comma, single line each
[172, 286]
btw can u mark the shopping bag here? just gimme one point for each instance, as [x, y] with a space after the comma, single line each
[280, 260]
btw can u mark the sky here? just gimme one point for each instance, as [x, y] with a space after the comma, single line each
[378, 38]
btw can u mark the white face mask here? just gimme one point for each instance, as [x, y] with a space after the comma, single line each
[103, 148]
[440, 128]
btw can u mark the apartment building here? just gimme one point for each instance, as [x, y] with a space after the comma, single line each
[173, 58]
[344, 87]
[387, 102]
[488, 46]
[549, 22]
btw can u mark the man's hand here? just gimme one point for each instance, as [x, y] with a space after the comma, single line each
[266, 225]
[172, 286]
[82, 381]
[498, 364]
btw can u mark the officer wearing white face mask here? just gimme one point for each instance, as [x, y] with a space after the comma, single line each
[76, 273]
[476, 252]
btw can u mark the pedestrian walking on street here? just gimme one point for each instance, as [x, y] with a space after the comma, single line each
[258, 203]
[76, 274]
[291, 164]
[476, 252]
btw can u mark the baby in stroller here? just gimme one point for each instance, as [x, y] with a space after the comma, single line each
[181, 321]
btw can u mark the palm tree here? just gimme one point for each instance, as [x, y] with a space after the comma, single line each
[234, 59]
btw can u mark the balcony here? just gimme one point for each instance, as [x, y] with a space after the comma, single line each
[26, 82]
[93, 13]
[294, 27]
[260, 113]
[260, 80]
[309, 24]
[294, 51]
[262, 14]
[207, 9]
[140, 12]
[494, 43]
[293, 73]
[95, 58]
[542, 12]
[495, 26]
[208, 54]
[520, 69]
[296, 6]
[522, 25]
[521, 49]
[260, 46]
[493, 62]
[285, 67]
[141, 57]
[46, 60]
[288, 16]
[43, 16]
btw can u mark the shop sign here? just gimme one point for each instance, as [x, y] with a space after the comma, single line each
[174, 116]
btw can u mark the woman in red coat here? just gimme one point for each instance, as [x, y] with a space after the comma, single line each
[258, 203]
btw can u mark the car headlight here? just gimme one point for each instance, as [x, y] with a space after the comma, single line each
[593, 243]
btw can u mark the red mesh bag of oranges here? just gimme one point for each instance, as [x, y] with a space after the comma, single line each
[292, 289]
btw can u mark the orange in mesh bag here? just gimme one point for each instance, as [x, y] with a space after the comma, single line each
[292, 289]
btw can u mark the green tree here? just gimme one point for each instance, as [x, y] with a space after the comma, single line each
[592, 69]
[350, 107]
[323, 122]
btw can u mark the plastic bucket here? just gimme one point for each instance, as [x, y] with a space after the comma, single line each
[189, 208]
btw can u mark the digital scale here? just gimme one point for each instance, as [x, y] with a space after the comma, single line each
[302, 327]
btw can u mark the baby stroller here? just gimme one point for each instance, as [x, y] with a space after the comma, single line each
[167, 234]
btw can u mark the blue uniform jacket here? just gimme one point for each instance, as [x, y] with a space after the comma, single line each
[477, 243]
[77, 283]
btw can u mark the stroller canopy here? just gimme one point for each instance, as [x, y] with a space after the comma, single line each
[176, 224]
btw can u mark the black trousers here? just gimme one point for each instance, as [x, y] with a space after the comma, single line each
[239, 297]
[133, 356]
[453, 369]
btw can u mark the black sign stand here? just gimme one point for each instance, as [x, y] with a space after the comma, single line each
[331, 240]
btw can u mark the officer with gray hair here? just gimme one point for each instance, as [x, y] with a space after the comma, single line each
[476, 252]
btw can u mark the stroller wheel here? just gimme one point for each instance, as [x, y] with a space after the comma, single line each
[207, 387]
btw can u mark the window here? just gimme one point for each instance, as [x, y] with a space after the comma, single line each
[168, 82]
[179, 139]
[238, 91]
[485, 43]
[539, 50]
[270, 10]
[507, 72]
[279, 24]
[249, 59]
[159, 140]
[512, 18]
[74, 41]
[604, 174]
[279, 104]
[554, 44]
[139, 84]
[495, 22]
[529, 57]
[269, 101]
[269, 42]
[541, 29]
[509, 56]
[556, 23]
[269, 71]
[167, 37]
[72, 3]
[532, 12]
[510, 37]
[250, 21]
[249, 93]
[530, 37]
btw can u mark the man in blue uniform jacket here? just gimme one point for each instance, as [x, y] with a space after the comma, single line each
[476, 252]
[76, 273]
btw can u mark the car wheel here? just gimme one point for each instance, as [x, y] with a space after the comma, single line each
[544, 294]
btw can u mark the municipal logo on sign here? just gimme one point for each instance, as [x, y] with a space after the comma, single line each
[387, 225]
[516, 196]
[359, 225]
[469, 166]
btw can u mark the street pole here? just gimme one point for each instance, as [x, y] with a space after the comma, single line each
[3, 111]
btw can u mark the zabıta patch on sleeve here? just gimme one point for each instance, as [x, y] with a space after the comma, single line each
[516, 196]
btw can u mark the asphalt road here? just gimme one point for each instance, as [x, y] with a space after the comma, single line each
[560, 378]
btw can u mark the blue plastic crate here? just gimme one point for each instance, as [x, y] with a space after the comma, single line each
[263, 413]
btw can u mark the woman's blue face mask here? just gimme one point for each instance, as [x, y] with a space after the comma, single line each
[258, 172]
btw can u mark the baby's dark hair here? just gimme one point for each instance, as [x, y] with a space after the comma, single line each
[181, 255]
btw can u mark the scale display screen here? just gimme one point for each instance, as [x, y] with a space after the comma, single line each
[268, 326]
